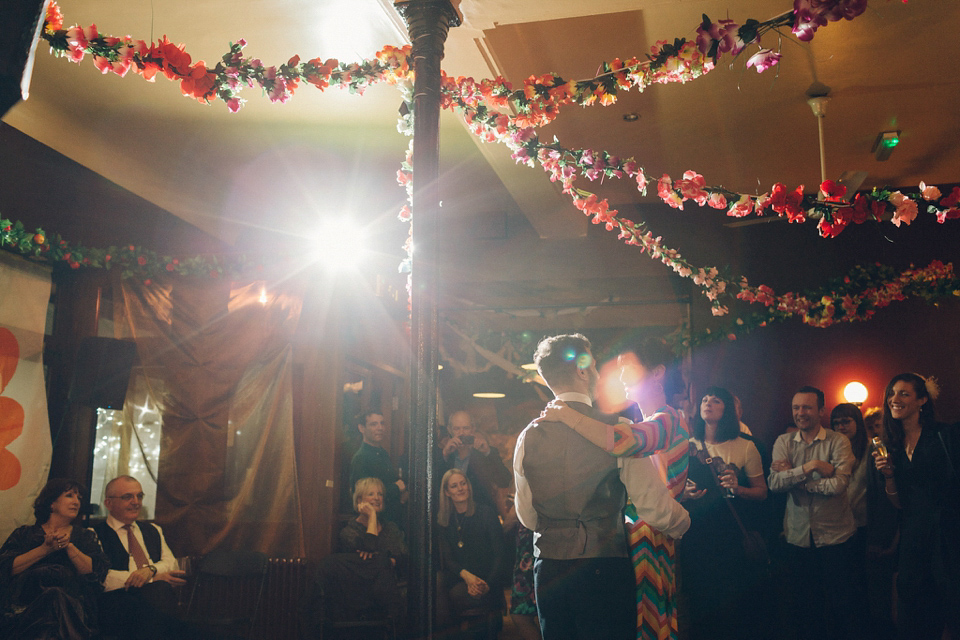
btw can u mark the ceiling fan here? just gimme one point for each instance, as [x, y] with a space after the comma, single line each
[818, 95]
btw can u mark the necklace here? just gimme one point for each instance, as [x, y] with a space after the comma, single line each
[460, 517]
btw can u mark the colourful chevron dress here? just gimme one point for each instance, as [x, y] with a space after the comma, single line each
[663, 435]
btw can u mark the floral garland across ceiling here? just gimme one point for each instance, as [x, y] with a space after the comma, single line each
[132, 260]
[485, 107]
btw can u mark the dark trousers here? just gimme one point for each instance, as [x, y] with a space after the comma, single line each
[591, 598]
[831, 600]
[147, 613]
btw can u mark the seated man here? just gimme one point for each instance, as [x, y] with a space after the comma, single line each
[139, 600]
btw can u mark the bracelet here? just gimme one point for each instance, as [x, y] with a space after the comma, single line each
[888, 492]
[579, 420]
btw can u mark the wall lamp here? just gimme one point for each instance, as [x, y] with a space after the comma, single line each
[855, 393]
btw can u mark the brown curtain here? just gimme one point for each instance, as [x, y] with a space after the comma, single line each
[221, 354]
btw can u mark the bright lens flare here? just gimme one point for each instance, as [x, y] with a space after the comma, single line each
[340, 244]
[855, 393]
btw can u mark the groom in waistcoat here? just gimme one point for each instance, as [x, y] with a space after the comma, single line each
[139, 599]
[569, 492]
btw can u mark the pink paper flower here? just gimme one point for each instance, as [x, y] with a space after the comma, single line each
[906, 208]
[763, 60]
[692, 187]
[929, 193]
[741, 208]
[717, 201]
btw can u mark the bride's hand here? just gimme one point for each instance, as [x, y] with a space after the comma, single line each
[555, 411]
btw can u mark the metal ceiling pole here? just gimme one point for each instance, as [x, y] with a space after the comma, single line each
[428, 22]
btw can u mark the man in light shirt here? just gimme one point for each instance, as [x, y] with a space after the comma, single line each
[572, 493]
[138, 599]
[814, 464]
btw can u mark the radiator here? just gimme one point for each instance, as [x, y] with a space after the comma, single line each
[277, 618]
[287, 580]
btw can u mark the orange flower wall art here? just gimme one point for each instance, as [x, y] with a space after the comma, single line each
[11, 413]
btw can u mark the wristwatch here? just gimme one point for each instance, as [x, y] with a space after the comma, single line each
[152, 568]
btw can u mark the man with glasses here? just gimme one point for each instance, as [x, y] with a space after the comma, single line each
[138, 599]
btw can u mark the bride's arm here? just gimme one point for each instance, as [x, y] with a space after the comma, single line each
[609, 437]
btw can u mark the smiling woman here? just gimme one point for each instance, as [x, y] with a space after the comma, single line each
[50, 572]
[922, 481]
[473, 562]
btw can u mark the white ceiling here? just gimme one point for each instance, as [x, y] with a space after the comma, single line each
[895, 67]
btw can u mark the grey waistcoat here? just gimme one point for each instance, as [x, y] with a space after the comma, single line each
[576, 491]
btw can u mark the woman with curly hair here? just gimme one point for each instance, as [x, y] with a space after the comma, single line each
[51, 571]
[920, 473]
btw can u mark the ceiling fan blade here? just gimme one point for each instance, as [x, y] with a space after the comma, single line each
[746, 222]
[852, 181]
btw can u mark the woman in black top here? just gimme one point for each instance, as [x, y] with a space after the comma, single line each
[920, 473]
[51, 572]
[374, 551]
[471, 546]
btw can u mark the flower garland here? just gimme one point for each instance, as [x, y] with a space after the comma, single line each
[132, 260]
[537, 104]
[225, 80]
[855, 297]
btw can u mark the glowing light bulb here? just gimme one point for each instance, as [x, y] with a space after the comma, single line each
[855, 393]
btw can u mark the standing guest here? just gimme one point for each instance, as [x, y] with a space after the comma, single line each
[373, 461]
[921, 480]
[739, 409]
[654, 520]
[139, 599]
[469, 451]
[873, 423]
[720, 581]
[846, 420]
[472, 552]
[814, 466]
[50, 572]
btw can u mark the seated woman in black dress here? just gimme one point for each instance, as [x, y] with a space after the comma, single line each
[360, 581]
[719, 581]
[471, 547]
[51, 571]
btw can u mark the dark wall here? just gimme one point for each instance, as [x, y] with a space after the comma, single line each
[764, 368]
[43, 188]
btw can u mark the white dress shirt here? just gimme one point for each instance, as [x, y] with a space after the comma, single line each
[167, 562]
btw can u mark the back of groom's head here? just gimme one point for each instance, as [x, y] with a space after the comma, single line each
[558, 357]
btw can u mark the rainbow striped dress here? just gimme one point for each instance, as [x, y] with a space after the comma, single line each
[663, 436]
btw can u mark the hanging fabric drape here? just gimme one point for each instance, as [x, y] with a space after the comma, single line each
[223, 352]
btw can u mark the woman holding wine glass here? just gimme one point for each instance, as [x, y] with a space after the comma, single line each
[920, 476]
